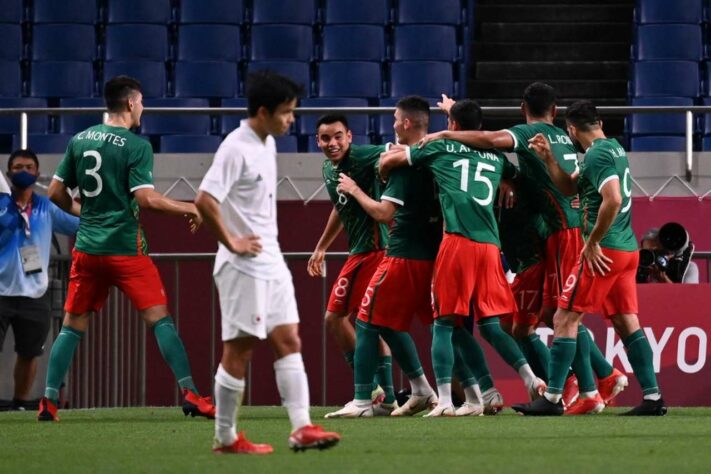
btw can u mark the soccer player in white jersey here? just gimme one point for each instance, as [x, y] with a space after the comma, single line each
[237, 198]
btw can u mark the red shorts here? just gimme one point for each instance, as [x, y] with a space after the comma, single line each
[468, 276]
[92, 276]
[614, 293]
[352, 282]
[527, 289]
[562, 255]
[400, 289]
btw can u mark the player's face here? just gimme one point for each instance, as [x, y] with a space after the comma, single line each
[135, 106]
[334, 140]
[281, 120]
[400, 126]
[573, 134]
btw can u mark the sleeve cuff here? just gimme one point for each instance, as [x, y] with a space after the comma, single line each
[408, 154]
[58, 178]
[142, 186]
[605, 181]
[387, 146]
[397, 201]
[512, 136]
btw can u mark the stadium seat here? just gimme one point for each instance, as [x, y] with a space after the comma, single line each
[353, 43]
[11, 123]
[282, 42]
[425, 78]
[75, 123]
[660, 11]
[706, 144]
[707, 79]
[174, 124]
[66, 11]
[136, 42]
[358, 123]
[209, 43]
[707, 119]
[62, 79]
[441, 44]
[312, 146]
[11, 45]
[150, 73]
[230, 122]
[659, 124]
[287, 144]
[41, 143]
[349, 79]
[139, 11]
[297, 71]
[11, 11]
[374, 12]
[229, 12]
[206, 79]
[658, 143]
[63, 42]
[660, 42]
[438, 121]
[278, 11]
[11, 84]
[448, 12]
[189, 143]
[665, 79]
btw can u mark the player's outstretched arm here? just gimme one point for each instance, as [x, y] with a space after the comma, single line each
[247, 246]
[501, 140]
[59, 195]
[333, 227]
[394, 158]
[380, 211]
[567, 183]
[610, 207]
[149, 198]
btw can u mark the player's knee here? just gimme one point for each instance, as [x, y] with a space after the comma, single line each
[625, 324]
[78, 322]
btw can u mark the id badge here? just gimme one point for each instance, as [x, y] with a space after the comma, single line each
[31, 261]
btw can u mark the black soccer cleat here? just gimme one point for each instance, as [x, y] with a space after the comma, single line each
[648, 408]
[540, 407]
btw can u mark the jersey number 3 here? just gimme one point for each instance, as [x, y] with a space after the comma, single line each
[93, 172]
[464, 182]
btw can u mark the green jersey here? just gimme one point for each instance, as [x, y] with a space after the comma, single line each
[606, 160]
[417, 225]
[468, 179]
[523, 234]
[360, 164]
[108, 164]
[539, 189]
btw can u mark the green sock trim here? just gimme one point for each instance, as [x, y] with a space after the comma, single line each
[173, 352]
[442, 351]
[581, 362]
[365, 360]
[473, 356]
[60, 359]
[503, 343]
[641, 358]
[562, 354]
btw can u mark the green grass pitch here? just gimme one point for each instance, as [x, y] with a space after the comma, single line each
[162, 440]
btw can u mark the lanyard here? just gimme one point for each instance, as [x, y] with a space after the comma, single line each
[25, 214]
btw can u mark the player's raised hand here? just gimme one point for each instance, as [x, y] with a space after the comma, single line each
[446, 103]
[346, 184]
[541, 146]
[247, 246]
[315, 265]
[430, 137]
[596, 260]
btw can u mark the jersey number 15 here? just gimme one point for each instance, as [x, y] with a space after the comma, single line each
[464, 182]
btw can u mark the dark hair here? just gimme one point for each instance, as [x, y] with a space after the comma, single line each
[328, 119]
[117, 91]
[539, 98]
[22, 153]
[583, 115]
[416, 109]
[269, 90]
[467, 113]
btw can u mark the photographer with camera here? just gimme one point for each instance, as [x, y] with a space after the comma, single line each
[665, 256]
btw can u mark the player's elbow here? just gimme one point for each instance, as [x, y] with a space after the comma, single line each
[383, 218]
[146, 198]
[614, 202]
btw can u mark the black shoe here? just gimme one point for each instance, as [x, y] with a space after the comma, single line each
[540, 407]
[648, 408]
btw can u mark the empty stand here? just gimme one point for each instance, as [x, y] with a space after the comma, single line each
[353, 43]
[10, 124]
[278, 11]
[11, 11]
[358, 123]
[139, 11]
[425, 78]
[663, 11]
[441, 43]
[65, 11]
[376, 12]
[63, 42]
[44, 142]
[658, 143]
[349, 79]
[282, 42]
[230, 122]
[661, 42]
[151, 74]
[209, 43]
[189, 143]
[174, 124]
[11, 44]
[298, 72]
[448, 12]
[206, 79]
[62, 79]
[75, 123]
[136, 42]
[212, 11]
[659, 124]
[665, 79]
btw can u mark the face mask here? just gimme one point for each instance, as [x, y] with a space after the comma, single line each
[23, 179]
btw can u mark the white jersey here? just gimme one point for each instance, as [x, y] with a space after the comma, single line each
[243, 179]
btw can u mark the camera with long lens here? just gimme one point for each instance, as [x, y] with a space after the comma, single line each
[672, 259]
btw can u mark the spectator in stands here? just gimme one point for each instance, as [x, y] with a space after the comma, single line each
[27, 221]
[667, 266]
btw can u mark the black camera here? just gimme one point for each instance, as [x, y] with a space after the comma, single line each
[672, 258]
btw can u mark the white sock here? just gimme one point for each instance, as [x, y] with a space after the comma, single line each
[294, 389]
[588, 394]
[444, 392]
[526, 374]
[228, 396]
[420, 386]
[472, 394]
[553, 397]
[653, 396]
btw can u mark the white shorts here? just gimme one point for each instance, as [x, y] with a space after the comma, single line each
[254, 307]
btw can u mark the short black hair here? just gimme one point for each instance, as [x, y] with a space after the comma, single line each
[117, 91]
[583, 115]
[539, 98]
[415, 108]
[270, 90]
[467, 113]
[328, 119]
[22, 153]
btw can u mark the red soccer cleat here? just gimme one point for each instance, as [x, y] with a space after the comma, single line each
[242, 446]
[47, 410]
[195, 405]
[570, 391]
[586, 406]
[312, 436]
[612, 385]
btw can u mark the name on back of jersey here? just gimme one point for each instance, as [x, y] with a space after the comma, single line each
[559, 140]
[460, 148]
[102, 137]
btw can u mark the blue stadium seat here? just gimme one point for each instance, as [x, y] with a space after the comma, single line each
[11, 11]
[189, 143]
[209, 43]
[297, 71]
[658, 143]
[374, 12]
[63, 42]
[707, 79]
[660, 42]
[425, 78]
[287, 144]
[66, 11]
[11, 83]
[440, 44]
[230, 122]
[707, 120]
[11, 44]
[665, 79]
[229, 12]
[150, 73]
[139, 11]
[162, 124]
[282, 42]
[659, 124]
[660, 11]
[353, 43]
[62, 79]
[278, 11]
[11, 123]
[75, 123]
[438, 121]
[42, 143]
[206, 79]
[136, 42]
[349, 79]
[358, 123]
[448, 12]
[312, 146]
[706, 144]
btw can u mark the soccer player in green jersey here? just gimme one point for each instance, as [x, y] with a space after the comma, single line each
[113, 170]
[605, 278]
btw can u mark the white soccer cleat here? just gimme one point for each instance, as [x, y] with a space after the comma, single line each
[384, 409]
[352, 410]
[493, 401]
[441, 411]
[470, 409]
[415, 404]
[537, 389]
[377, 395]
